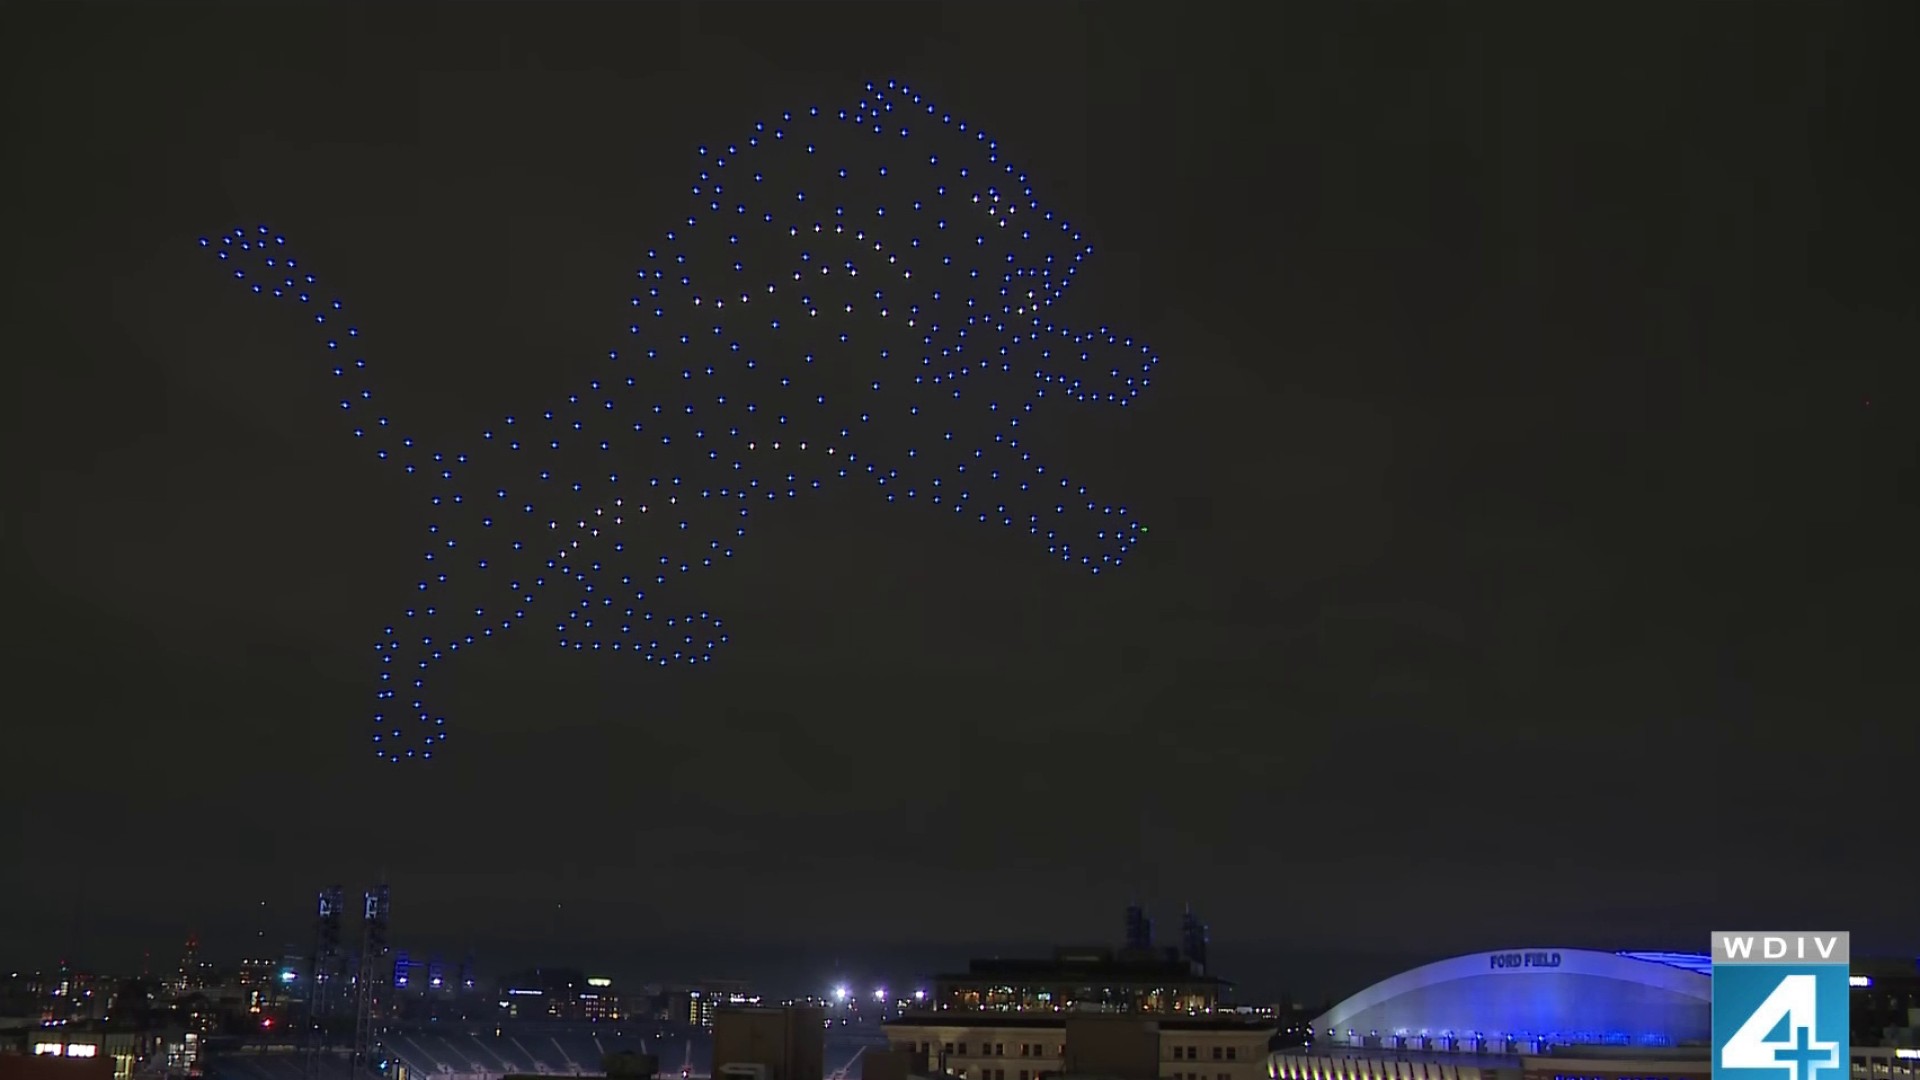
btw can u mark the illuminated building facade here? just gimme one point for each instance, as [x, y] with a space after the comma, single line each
[599, 1001]
[52, 1065]
[121, 1051]
[186, 1055]
[1082, 979]
[256, 972]
[193, 971]
[559, 994]
[61, 996]
[696, 1005]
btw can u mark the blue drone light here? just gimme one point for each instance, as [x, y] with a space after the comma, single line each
[869, 299]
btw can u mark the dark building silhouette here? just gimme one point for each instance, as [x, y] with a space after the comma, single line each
[1193, 939]
[630, 1065]
[786, 1043]
[900, 1061]
[1091, 978]
[1117, 1046]
[1885, 1002]
[1139, 929]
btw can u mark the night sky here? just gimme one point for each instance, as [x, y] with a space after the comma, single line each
[1530, 465]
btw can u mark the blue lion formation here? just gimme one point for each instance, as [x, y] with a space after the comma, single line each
[862, 294]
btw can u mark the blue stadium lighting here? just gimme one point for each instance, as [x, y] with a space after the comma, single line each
[1530, 998]
[1696, 962]
[868, 295]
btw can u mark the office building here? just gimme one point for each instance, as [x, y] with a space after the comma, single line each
[1139, 929]
[1130, 1046]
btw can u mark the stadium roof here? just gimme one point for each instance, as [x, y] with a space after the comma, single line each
[1552, 996]
[1699, 963]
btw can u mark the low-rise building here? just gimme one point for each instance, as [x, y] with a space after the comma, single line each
[987, 1046]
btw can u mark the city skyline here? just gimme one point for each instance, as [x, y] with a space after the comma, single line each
[1260, 973]
[1531, 476]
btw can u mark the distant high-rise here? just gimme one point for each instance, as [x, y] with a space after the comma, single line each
[189, 977]
[1139, 928]
[1193, 938]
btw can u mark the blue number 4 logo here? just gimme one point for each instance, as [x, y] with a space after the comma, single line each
[1781, 1034]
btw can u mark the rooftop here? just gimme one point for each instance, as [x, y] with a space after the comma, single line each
[1169, 1022]
[1096, 964]
[1698, 963]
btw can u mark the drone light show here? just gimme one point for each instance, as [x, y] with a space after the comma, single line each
[854, 295]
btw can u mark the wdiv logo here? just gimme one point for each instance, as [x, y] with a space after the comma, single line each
[1780, 1005]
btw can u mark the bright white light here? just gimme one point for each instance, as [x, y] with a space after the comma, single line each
[880, 994]
[919, 995]
[82, 1050]
[839, 993]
